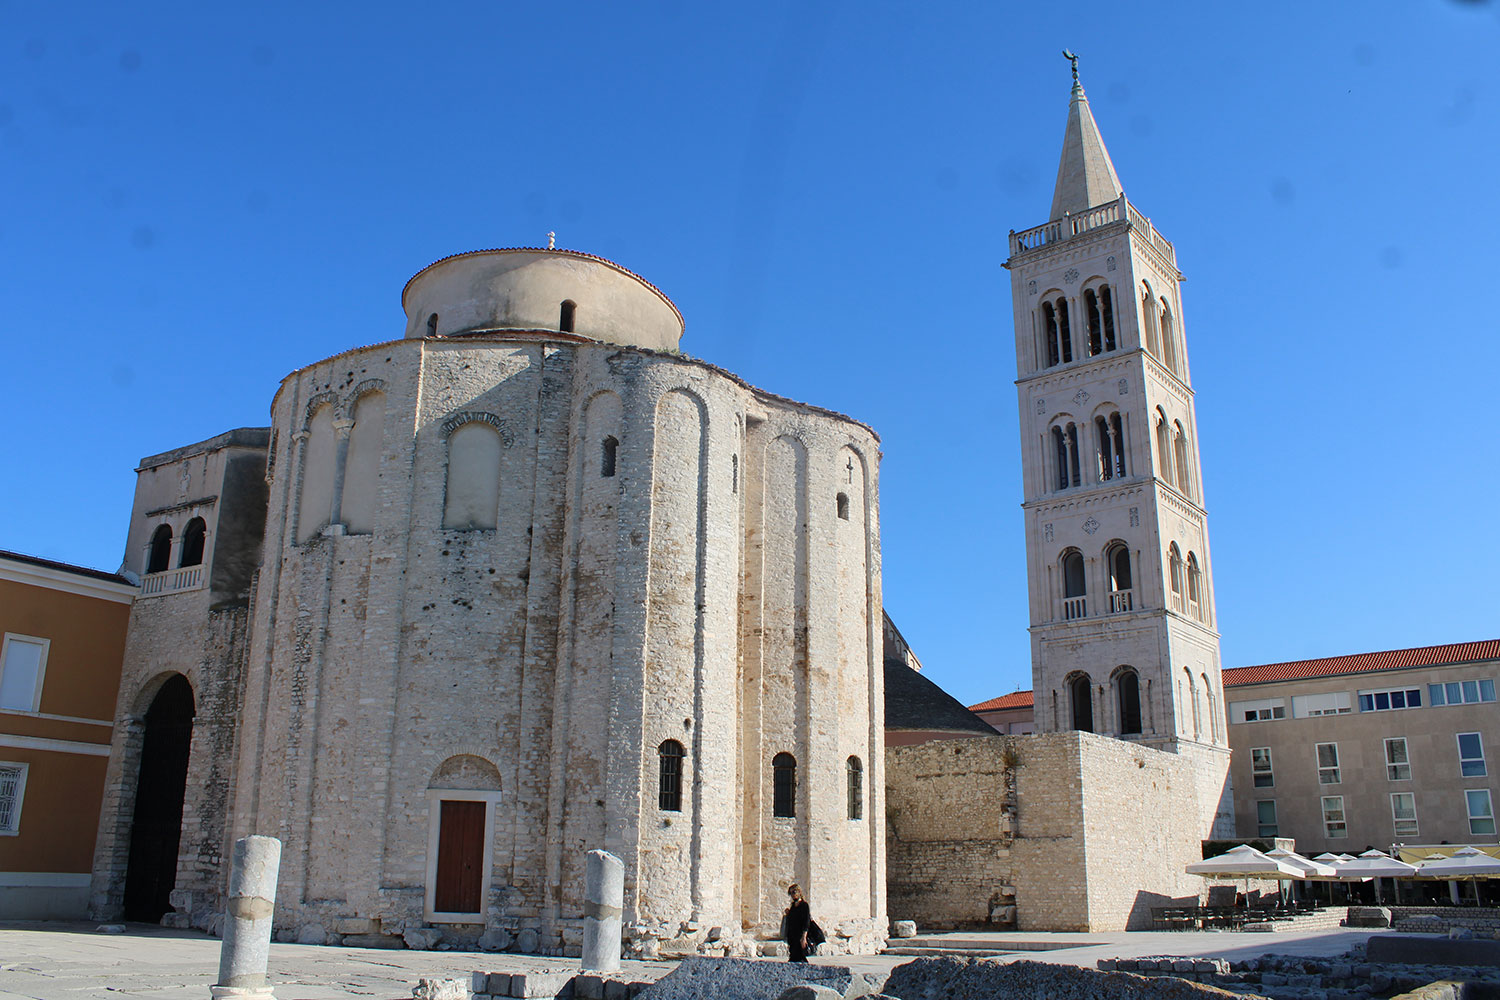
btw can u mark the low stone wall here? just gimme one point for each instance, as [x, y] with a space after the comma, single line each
[1483, 921]
[1349, 977]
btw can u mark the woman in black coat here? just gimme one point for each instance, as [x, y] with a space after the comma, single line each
[795, 923]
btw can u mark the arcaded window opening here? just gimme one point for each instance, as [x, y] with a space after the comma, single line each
[784, 786]
[1168, 339]
[1128, 694]
[1109, 432]
[1194, 586]
[1074, 587]
[1049, 327]
[1081, 692]
[856, 781]
[192, 543]
[1107, 304]
[1174, 568]
[669, 776]
[568, 311]
[1121, 585]
[1095, 316]
[160, 557]
[607, 458]
[1163, 448]
[843, 506]
[1179, 453]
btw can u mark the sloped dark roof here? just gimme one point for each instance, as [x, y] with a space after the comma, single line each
[912, 702]
[97, 574]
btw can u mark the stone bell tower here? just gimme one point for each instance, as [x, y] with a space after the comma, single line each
[1123, 634]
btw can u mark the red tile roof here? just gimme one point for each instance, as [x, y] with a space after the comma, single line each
[1360, 663]
[1016, 699]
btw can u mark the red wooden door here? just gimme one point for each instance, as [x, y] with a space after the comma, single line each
[460, 857]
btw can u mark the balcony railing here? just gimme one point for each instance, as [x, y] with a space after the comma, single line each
[1121, 600]
[1069, 226]
[1074, 607]
[170, 581]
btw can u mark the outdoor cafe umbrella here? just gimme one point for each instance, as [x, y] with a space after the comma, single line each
[1310, 867]
[1377, 865]
[1466, 863]
[1244, 862]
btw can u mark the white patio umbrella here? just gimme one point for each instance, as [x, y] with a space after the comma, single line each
[1244, 862]
[1377, 865]
[1466, 864]
[1310, 867]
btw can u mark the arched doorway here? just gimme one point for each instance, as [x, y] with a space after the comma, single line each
[157, 824]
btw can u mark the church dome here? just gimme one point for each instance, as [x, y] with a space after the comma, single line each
[576, 295]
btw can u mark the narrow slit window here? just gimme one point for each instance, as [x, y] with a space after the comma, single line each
[843, 506]
[569, 312]
[607, 459]
[856, 776]
[784, 786]
[432, 325]
[669, 776]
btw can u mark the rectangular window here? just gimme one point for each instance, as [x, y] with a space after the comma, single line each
[1471, 756]
[1328, 764]
[1404, 813]
[1331, 703]
[23, 662]
[1397, 763]
[1260, 767]
[1461, 692]
[1481, 812]
[12, 791]
[1388, 699]
[1265, 815]
[1257, 711]
[1334, 827]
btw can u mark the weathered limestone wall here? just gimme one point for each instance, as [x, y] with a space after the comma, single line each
[201, 633]
[1066, 826]
[707, 591]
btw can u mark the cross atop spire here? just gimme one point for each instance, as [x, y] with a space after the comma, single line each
[1085, 175]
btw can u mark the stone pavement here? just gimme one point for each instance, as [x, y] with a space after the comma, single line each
[58, 960]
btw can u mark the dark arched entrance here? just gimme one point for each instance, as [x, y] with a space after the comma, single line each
[157, 824]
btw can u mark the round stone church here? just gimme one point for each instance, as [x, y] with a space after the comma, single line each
[534, 583]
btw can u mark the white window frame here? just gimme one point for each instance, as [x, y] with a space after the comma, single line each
[1256, 772]
[1337, 771]
[1437, 694]
[1405, 692]
[1396, 818]
[41, 669]
[1343, 821]
[435, 798]
[1486, 817]
[1275, 824]
[1306, 706]
[1484, 769]
[1391, 768]
[14, 828]
[1265, 709]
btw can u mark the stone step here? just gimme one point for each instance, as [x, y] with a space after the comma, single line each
[935, 952]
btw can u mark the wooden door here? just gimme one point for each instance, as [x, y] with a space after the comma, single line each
[460, 864]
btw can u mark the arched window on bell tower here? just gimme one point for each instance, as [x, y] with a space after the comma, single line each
[1180, 459]
[1081, 695]
[1065, 456]
[1149, 321]
[1075, 589]
[1109, 443]
[1168, 340]
[1098, 306]
[1057, 331]
[1163, 447]
[1174, 575]
[1128, 700]
[1121, 580]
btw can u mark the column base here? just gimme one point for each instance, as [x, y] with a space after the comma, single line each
[241, 993]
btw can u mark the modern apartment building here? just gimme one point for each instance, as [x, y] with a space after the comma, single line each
[1349, 752]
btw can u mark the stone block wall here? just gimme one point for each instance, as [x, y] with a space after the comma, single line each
[1061, 831]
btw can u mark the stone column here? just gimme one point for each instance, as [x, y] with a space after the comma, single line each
[341, 429]
[603, 899]
[247, 925]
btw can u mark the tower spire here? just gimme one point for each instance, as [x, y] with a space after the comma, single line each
[1085, 175]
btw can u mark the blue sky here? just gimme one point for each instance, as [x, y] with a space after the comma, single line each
[201, 197]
